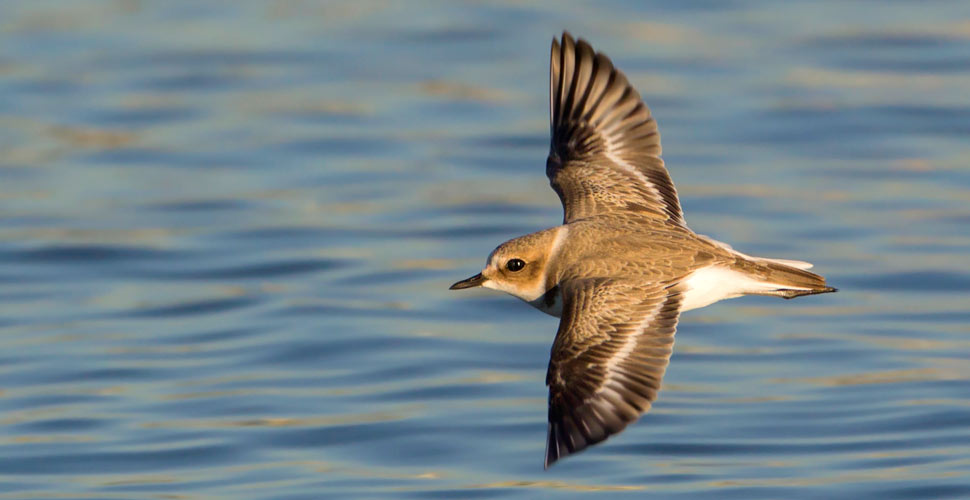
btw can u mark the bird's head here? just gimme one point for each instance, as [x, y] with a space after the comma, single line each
[518, 266]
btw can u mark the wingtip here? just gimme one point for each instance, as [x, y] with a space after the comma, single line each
[549, 460]
[545, 458]
[552, 447]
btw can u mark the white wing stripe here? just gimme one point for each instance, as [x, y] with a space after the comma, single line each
[610, 153]
[630, 343]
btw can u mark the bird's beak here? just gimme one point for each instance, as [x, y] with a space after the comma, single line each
[474, 281]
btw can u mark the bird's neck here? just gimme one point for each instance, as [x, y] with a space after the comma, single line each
[549, 302]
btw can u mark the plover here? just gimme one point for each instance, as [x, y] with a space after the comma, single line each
[623, 265]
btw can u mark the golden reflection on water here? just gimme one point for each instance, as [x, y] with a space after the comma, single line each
[307, 104]
[136, 480]
[939, 402]
[885, 474]
[462, 91]
[867, 79]
[555, 485]
[682, 36]
[429, 264]
[882, 377]
[96, 495]
[407, 411]
[47, 438]
[153, 237]
[360, 389]
[94, 138]
[897, 343]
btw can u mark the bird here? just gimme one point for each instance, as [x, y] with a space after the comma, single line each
[623, 264]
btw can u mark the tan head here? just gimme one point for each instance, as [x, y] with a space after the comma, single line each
[519, 266]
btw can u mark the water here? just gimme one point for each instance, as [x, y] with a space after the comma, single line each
[228, 230]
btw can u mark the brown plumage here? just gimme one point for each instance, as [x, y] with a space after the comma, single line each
[604, 372]
[624, 264]
[605, 152]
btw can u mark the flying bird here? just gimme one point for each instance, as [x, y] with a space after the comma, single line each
[623, 265]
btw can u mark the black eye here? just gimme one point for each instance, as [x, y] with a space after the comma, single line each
[515, 265]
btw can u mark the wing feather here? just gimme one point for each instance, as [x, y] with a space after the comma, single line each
[605, 152]
[608, 359]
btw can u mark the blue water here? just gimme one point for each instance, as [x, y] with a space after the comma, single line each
[227, 232]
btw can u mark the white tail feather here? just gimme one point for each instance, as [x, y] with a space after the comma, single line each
[798, 264]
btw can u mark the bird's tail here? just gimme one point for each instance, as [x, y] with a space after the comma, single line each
[781, 278]
[778, 277]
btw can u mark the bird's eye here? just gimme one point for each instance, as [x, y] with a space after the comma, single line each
[515, 265]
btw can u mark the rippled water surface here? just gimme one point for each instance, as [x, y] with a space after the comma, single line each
[227, 232]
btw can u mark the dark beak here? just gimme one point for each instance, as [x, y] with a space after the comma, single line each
[474, 281]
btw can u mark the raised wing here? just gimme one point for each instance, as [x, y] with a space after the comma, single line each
[608, 359]
[605, 152]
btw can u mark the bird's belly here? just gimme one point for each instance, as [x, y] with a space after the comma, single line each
[549, 302]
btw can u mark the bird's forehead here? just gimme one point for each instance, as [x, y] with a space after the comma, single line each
[528, 250]
[506, 250]
[500, 251]
[493, 255]
[496, 257]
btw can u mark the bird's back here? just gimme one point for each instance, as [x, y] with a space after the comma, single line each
[611, 247]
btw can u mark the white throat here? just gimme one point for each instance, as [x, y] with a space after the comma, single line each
[527, 294]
